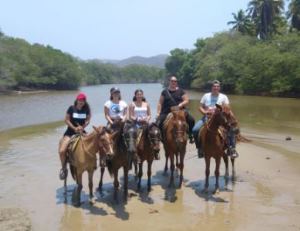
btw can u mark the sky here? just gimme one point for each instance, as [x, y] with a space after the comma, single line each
[116, 29]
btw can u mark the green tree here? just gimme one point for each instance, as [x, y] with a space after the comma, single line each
[294, 14]
[265, 14]
[242, 23]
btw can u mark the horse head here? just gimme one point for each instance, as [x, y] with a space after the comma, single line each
[104, 141]
[220, 116]
[154, 137]
[130, 136]
[179, 126]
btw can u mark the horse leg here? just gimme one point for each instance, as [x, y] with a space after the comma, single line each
[125, 182]
[116, 185]
[149, 173]
[166, 164]
[91, 173]
[102, 169]
[135, 169]
[181, 166]
[177, 164]
[79, 188]
[171, 184]
[140, 174]
[225, 158]
[207, 167]
[233, 169]
[217, 173]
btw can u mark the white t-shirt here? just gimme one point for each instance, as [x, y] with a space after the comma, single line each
[209, 101]
[116, 110]
[140, 113]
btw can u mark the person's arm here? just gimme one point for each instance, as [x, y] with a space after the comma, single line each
[125, 114]
[87, 120]
[202, 109]
[159, 105]
[107, 117]
[68, 122]
[148, 113]
[185, 101]
[131, 112]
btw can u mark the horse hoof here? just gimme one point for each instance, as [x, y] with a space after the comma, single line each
[149, 189]
[165, 173]
[205, 191]
[92, 201]
[217, 191]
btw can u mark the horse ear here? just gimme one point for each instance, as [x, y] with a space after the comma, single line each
[218, 106]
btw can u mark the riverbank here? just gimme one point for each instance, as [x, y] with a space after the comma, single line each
[265, 195]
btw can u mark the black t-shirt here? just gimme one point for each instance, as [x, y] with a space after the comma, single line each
[168, 101]
[77, 117]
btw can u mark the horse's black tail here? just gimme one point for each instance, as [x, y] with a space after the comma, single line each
[73, 172]
[109, 167]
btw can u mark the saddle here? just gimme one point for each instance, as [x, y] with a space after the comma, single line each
[72, 146]
[203, 131]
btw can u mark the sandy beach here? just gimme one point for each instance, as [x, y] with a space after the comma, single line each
[265, 196]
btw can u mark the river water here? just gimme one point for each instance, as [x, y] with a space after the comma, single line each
[31, 125]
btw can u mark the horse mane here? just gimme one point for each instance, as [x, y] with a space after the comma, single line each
[174, 114]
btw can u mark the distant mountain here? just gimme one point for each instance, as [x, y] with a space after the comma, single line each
[156, 61]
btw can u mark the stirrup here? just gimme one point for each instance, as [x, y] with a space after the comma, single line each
[191, 139]
[63, 173]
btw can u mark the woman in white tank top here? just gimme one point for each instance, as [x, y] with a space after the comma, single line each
[139, 109]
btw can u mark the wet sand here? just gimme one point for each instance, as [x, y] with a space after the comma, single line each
[265, 196]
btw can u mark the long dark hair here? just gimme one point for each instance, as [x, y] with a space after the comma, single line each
[85, 107]
[137, 91]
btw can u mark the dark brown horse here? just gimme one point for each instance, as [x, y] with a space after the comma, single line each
[234, 131]
[83, 158]
[124, 149]
[147, 148]
[175, 140]
[214, 143]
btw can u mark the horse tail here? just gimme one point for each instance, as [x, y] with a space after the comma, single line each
[109, 165]
[73, 172]
[243, 139]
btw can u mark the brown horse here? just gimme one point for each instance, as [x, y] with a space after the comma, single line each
[175, 140]
[233, 130]
[146, 150]
[83, 158]
[214, 143]
[124, 149]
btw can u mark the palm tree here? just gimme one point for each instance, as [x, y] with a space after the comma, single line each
[264, 14]
[241, 23]
[294, 14]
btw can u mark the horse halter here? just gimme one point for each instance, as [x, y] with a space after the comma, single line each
[216, 113]
[176, 131]
[155, 137]
[129, 136]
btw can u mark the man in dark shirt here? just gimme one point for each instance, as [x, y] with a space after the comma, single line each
[170, 97]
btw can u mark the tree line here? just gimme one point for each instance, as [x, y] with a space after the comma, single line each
[25, 67]
[258, 56]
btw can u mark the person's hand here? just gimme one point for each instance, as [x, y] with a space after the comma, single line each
[79, 129]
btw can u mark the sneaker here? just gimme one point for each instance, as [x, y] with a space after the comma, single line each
[191, 139]
[232, 152]
[200, 153]
[63, 173]
[156, 156]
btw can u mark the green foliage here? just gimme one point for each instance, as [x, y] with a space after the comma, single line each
[24, 66]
